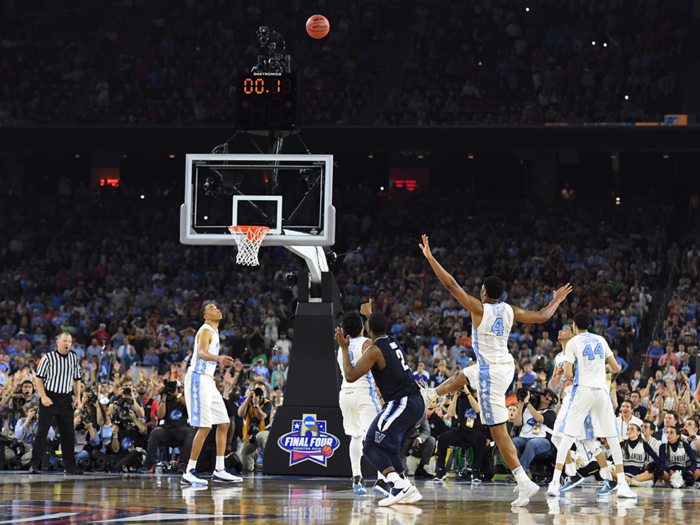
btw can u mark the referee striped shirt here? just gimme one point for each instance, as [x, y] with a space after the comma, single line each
[59, 371]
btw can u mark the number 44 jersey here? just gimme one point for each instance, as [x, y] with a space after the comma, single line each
[589, 353]
[490, 338]
[395, 380]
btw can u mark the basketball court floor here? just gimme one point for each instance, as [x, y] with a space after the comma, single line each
[61, 499]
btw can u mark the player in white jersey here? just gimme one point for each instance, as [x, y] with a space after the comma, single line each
[586, 434]
[205, 405]
[491, 324]
[358, 403]
[590, 393]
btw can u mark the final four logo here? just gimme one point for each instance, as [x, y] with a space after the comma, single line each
[308, 440]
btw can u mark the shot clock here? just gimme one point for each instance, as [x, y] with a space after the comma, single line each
[267, 102]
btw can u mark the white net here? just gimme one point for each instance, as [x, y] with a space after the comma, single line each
[248, 239]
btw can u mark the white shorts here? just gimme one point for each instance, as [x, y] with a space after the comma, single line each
[491, 383]
[359, 410]
[586, 430]
[592, 403]
[205, 406]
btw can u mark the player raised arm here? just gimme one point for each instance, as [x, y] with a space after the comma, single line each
[470, 303]
[371, 356]
[203, 342]
[542, 316]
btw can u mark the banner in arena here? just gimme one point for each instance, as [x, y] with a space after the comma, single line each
[308, 440]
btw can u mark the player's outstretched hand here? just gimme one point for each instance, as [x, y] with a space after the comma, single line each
[366, 309]
[226, 360]
[560, 294]
[426, 247]
[342, 340]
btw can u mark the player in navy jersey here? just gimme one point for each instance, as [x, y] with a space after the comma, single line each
[403, 407]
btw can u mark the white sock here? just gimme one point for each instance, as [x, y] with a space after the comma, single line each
[380, 476]
[356, 456]
[605, 474]
[570, 469]
[557, 476]
[220, 465]
[520, 476]
[191, 465]
[621, 480]
[396, 480]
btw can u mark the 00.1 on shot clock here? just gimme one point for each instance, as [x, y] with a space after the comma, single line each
[267, 102]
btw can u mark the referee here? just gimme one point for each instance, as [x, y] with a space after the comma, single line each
[57, 376]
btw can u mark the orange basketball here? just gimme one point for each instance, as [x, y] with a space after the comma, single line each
[327, 450]
[318, 26]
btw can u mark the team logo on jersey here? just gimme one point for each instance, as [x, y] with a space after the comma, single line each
[308, 440]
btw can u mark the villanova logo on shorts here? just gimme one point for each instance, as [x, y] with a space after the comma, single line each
[308, 440]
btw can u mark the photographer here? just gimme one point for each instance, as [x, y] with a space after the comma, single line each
[255, 411]
[87, 436]
[20, 397]
[172, 428]
[127, 440]
[25, 431]
[125, 397]
[536, 421]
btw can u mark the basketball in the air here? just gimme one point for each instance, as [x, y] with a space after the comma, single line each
[318, 26]
[327, 450]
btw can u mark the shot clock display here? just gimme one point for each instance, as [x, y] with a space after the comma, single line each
[267, 102]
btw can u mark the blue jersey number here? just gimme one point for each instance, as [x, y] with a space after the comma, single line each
[497, 327]
[589, 352]
[399, 354]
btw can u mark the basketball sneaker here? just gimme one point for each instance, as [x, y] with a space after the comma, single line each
[224, 476]
[415, 498]
[440, 475]
[571, 482]
[624, 491]
[397, 494]
[553, 489]
[382, 487]
[607, 488]
[526, 491]
[192, 478]
[358, 486]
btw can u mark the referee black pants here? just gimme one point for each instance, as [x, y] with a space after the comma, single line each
[62, 411]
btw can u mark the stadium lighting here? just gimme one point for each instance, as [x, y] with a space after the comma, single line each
[143, 196]
[381, 188]
[206, 217]
[527, 9]
[617, 200]
[593, 43]
[605, 44]
[627, 97]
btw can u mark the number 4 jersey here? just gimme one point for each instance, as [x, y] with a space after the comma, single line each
[589, 353]
[490, 339]
[395, 380]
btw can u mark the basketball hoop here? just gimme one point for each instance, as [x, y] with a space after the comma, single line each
[248, 239]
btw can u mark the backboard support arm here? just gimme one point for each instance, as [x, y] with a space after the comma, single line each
[315, 259]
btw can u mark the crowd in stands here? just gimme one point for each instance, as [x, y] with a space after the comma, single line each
[506, 62]
[511, 63]
[176, 63]
[106, 266]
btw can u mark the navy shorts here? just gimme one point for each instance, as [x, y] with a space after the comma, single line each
[397, 417]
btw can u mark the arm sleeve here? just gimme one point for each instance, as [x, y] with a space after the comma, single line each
[691, 454]
[662, 457]
[549, 419]
[43, 367]
[650, 451]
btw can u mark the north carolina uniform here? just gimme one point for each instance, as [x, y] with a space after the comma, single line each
[204, 402]
[404, 405]
[588, 353]
[358, 401]
[495, 368]
[587, 429]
